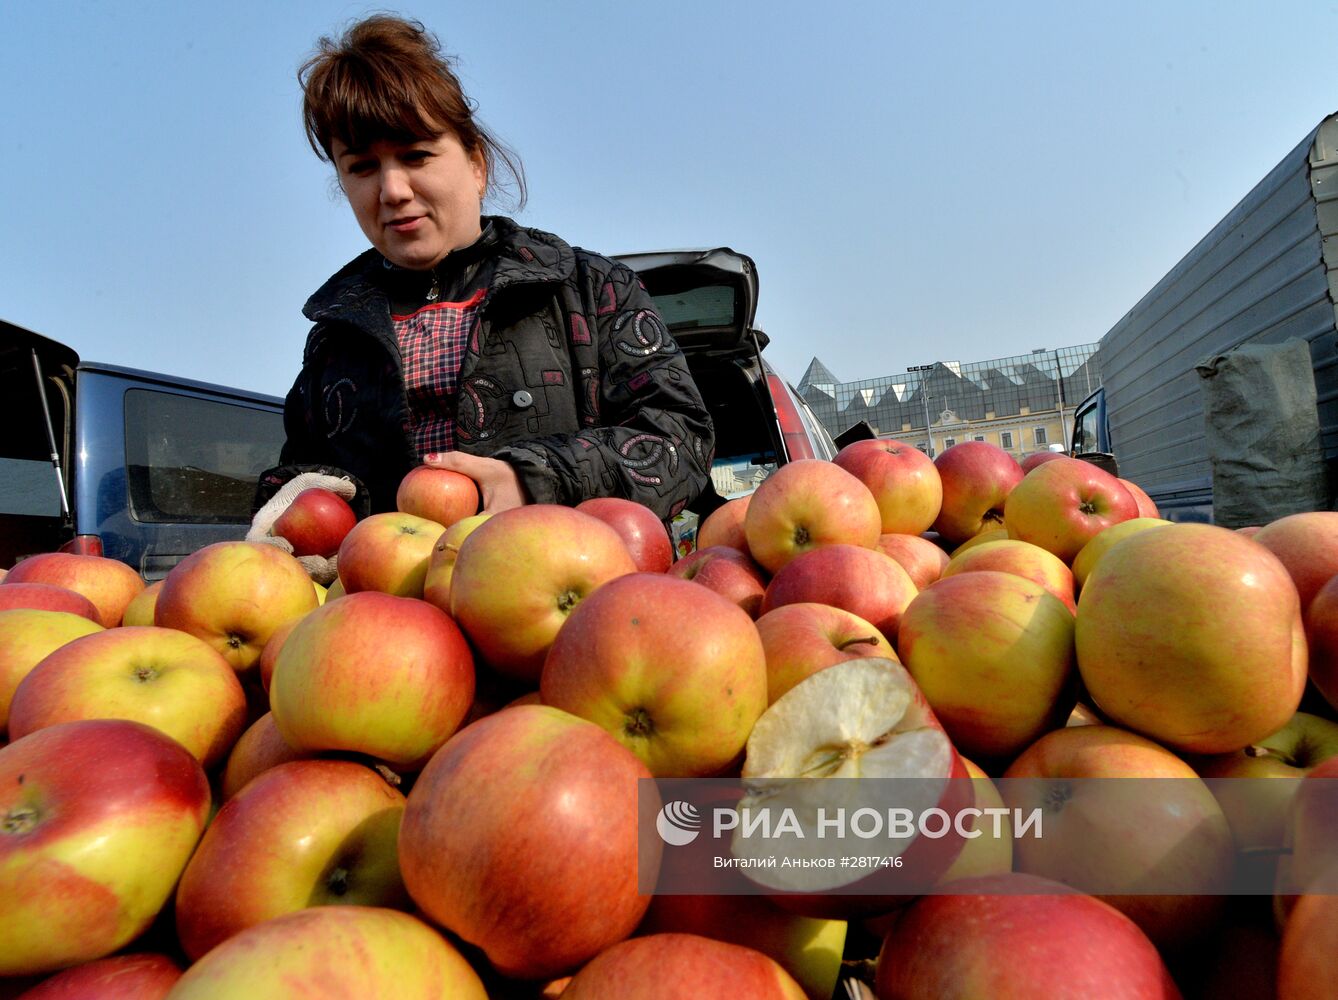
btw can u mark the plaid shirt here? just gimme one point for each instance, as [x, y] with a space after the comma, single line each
[432, 344]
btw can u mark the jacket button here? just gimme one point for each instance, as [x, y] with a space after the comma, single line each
[522, 399]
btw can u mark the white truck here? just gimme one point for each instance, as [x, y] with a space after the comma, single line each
[1266, 274]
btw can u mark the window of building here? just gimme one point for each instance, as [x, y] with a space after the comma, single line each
[948, 443]
[979, 437]
[1040, 436]
[923, 446]
[1006, 440]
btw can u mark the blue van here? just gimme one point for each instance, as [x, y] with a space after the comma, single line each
[139, 466]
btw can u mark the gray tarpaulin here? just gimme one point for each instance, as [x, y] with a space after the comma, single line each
[1263, 433]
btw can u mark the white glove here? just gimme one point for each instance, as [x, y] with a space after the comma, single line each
[320, 569]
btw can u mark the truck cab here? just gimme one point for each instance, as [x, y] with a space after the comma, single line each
[139, 466]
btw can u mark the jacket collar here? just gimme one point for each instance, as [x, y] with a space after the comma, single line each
[356, 294]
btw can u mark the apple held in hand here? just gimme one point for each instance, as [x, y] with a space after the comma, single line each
[315, 522]
[521, 836]
[696, 966]
[671, 670]
[903, 480]
[367, 952]
[439, 495]
[522, 572]
[305, 833]
[1192, 635]
[640, 529]
[1018, 937]
[804, 505]
[977, 478]
[97, 820]
[107, 583]
[391, 677]
[1062, 505]
[163, 678]
[233, 595]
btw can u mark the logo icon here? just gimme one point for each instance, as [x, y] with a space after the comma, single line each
[678, 823]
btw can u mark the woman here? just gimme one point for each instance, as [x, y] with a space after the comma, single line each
[466, 342]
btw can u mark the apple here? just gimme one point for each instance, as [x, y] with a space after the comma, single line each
[1192, 635]
[801, 639]
[233, 595]
[441, 564]
[256, 751]
[550, 558]
[1146, 506]
[991, 534]
[1153, 842]
[1311, 839]
[391, 677]
[108, 584]
[521, 836]
[388, 553]
[97, 821]
[808, 949]
[27, 636]
[305, 833]
[1036, 458]
[141, 607]
[856, 719]
[730, 572]
[143, 976]
[439, 495]
[922, 560]
[269, 655]
[1307, 544]
[1321, 624]
[315, 522]
[991, 853]
[1062, 505]
[807, 504]
[724, 525]
[1087, 556]
[1308, 961]
[696, 966]
[860, 580]
[368, 952]
[47, 597]
[903, 480]
[1031, 562]
[993, 654]
[683, 699]
[977, 478]
[1255, 802]
[1017, 937]
[163, 678]
[638, 526]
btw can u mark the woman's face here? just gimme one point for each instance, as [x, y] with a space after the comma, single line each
[415, 201]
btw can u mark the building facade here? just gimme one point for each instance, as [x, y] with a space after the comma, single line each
[1022, 404]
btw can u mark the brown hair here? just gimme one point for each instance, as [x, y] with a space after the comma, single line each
[387, 79]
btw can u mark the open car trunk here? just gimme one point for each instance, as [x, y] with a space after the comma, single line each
[32, 516]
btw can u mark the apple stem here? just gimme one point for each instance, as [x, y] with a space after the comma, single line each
[390, 777]
[567, 600]
[338, 881]
[145, 673]
[869, 640]
[21, 819]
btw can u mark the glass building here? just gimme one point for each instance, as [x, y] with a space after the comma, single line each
[1022, 404]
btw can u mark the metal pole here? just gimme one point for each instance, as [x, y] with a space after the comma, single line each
[51, 436]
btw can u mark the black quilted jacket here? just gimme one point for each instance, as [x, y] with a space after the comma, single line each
[569, 375]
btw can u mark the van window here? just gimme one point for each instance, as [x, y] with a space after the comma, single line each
[190, 459]
[1085, 437]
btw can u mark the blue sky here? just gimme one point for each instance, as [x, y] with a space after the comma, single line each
[916, 181]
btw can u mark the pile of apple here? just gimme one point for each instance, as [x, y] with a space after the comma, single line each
[424, 783]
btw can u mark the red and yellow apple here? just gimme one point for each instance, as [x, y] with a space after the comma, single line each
[440, 495]
[860, 580]
[730, 572]
[1031, 562]
[922, 560]
[27, 637]
[807, 504]
[640, 528]
[977, 478]
[315, 522]
[639, 969]
[801, 639]
[388, 553]
[724, 525]
[902, 479]
[108, 584]
[441, 564]
[1063, 505]
[47, 597]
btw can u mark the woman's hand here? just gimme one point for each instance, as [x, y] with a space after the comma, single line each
[498, 485]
